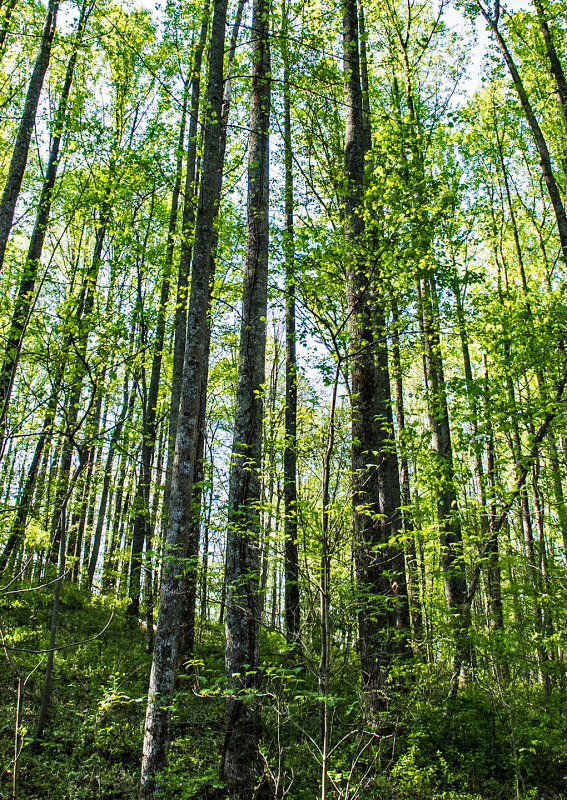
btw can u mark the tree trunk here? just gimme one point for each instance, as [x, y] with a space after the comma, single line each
[555, 65]
[6, 26]
[156, 733]
[46, 691]
[541, 144]
[450, 535]
[240, 751]
[405, 488]
[77, 340]
[25, 293]
[383, 616]
[142, 527]
[106, 484]
[291, 559]
[21, 146]
[24, 500]
[323, 676]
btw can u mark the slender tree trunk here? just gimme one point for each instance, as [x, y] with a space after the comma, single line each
[555, 65]
[141, 533]
[46, 691]
[486, 504]
[187, 633]
[106, 483]
[291, 559]
[323, 676]
[204, 610]
[86, 486]
[556, 473]
[142, 526]
[6, 24]
[89, 509]
[450, 533]
[495, 606]
[405, 488]
[24, 500]
[77, 340]
[541, 144]
[214, 242]
[25, 293]
[187, 226]
[23, 137]
[110, 560]
[240, 751]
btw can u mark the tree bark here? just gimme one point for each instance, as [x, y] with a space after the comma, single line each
[291, 559]
[241, 746]
[555, 66]
[21, 146]
[142, 527]
[156, 733]
[405, 488]
[383, 616]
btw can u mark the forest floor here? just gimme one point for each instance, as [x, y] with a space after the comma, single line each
[486, 748]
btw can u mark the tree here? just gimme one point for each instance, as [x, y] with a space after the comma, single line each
[383, 618]
[156, 733]
[21, 145]
[240, 751]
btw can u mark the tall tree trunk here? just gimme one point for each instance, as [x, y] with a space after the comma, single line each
[556, 473]
[323, 675]
[186, 249]
[555, 66]
[241, 745]
[187, 632]
[141, 501]
[87, 484]
[110, 565]
[495, 606]
[156, 733]
[77, 340]
[291, 559]
[383, 616]
[46, 690]
[21, 146]
[142, 527]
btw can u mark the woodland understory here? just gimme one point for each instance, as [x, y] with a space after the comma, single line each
[283, 376]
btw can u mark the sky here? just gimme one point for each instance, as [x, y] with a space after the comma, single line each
[454, 18]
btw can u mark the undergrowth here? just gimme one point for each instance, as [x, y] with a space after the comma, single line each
[493, 742]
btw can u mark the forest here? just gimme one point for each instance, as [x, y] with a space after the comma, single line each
[283, 376]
